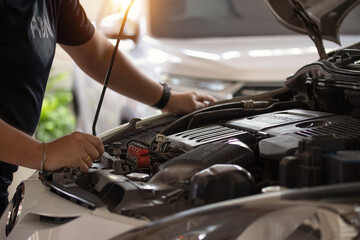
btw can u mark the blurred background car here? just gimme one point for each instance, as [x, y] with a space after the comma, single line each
[224, 48]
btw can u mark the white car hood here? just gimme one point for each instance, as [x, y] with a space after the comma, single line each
[245, 59]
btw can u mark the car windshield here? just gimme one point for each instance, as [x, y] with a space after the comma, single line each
[220, 18]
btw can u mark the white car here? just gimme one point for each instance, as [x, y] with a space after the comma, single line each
[283, 164]
[224, 48]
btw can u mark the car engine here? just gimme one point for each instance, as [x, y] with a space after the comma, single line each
[305, 134]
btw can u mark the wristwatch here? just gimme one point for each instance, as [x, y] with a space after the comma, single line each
[164, 97]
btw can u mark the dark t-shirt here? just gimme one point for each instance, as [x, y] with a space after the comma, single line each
[29, 31]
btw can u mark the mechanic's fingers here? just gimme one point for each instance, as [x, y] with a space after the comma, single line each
[201, 100]
[88, 161]
[204, 98]
[187, 102]
[91, 150]
[96, 142]
[199, 105]
[91, 144]
[83, 166]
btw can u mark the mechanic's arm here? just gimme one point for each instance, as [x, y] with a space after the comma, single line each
[94, 56]
[69, 151]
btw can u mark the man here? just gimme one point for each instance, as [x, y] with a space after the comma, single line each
[29, 31]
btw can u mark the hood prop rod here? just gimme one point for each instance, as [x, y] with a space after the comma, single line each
[311, 28]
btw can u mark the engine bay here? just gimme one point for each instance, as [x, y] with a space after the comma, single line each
[306, 134]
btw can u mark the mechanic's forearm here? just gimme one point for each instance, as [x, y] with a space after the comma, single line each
[18, 148]
[130, 81]
[94, 58]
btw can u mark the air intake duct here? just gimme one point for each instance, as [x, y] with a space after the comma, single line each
[184, 166]
[231, 151]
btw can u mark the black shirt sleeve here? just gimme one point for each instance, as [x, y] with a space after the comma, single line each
[74, 28]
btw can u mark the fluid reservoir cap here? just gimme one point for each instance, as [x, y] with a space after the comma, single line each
[116, 144]
[142, 177]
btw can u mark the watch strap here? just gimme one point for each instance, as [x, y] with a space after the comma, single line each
[164, 97]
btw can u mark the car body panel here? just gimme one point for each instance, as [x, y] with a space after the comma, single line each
[327, 15]
[39, 203]
[243, 59]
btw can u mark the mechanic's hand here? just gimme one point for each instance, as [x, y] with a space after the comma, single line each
[74, 150]
[187, 102]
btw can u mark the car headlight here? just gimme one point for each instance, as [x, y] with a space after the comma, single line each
[15, 208]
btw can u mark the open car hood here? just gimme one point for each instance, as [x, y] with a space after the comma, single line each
[320, 19]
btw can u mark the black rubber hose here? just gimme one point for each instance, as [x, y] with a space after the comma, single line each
[182, 122]
[260, 100]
